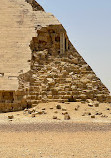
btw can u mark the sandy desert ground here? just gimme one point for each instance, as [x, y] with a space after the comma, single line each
[25, 136]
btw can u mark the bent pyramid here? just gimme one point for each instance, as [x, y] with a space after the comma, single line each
[38, 62]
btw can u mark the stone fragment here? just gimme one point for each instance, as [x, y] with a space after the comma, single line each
[83, 114]
[90, 104]
[33, 115]
[98, 113]
[25, 111]
[96, 104]
[86, 113]
[77, 108]
[64, 113]
[55, 112]
[67, 103]
[10, 117]
[55, 117]
[105, 116]
[93, 116]
[75, 60]
[63, 109]
[67, 117]
[58, 107]
[43, 109]
[30, 111]
[89, 113]
[40, 112]
[89, 101]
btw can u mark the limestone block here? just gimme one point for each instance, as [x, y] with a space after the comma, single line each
[84, 80]
[75, 61]
[64, 73]
[101, 97]
[49, 96]
[68, 80]
[61, 92]
[82, 96]
[108, 99]
[50, 81]
[66, 97]
[90, 76]
[73, 88]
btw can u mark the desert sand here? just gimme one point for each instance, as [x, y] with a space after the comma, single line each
[25, 136]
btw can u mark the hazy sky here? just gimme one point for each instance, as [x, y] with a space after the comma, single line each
[88, 24]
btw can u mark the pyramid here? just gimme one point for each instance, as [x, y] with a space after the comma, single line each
[38, 61]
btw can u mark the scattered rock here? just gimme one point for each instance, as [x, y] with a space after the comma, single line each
[63, 109]
[64, 113]
[55, 112]
[43, 109]
[93, 116]
[108, 109]
[33, 115]
[40, 112]
[90, 104]
[67, 103]
[77, 107]
[82, 102]
[51, 108]
[55, 117]
[99, 113]
[89, 113]
[86, 113]
[10, 117]
[30, 111]
[25, 110]
[18, 114]
[83, 114]
[58, 107]
[89, 101]
[96, 104]
[67, 117]
[105, 116]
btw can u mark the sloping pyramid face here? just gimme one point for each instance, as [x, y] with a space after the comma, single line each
[38, 62]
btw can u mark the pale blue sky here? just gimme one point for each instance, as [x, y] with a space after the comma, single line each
[88, 24]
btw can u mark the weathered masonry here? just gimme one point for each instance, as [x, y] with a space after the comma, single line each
[38, 61]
